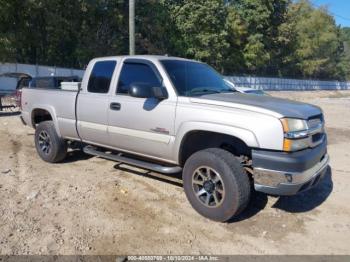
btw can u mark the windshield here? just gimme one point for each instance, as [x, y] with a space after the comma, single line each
[195, 79]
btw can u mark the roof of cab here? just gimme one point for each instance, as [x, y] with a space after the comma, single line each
[147, 57]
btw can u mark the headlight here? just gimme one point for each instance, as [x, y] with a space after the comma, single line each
[293, 125]
[295, 134]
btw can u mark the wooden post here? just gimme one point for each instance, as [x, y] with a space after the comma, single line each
[131, 27]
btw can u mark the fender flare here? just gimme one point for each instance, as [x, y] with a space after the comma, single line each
[52, 112]
[247, 136]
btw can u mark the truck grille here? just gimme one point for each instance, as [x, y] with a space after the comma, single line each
[315, 121]
[316, 127]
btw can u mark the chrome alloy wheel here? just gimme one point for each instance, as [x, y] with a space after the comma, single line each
[44, 142]
[208, 186]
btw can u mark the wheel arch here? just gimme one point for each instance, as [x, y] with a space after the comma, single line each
[193, 137]
[42, 113]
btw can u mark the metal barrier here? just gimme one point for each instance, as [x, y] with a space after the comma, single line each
[264, 83]
[9, 83]
[280, 84]
[39, 70]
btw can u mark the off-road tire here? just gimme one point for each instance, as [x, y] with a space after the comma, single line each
[236, 183]
[58, 146]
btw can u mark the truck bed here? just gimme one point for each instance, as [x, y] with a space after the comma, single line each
[58, 102]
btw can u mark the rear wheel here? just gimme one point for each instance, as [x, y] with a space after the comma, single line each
[215, 184]
[50, 147]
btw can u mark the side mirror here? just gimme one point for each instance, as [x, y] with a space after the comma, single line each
[160, 92]
[144, 90]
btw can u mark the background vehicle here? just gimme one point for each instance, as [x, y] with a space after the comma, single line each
[246, 90]
[12, 90]
[2, 105]
[171, 114]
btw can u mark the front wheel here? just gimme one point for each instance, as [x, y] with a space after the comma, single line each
[50, 147]
[215, 184]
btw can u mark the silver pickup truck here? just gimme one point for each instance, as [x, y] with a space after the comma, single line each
[173, 115]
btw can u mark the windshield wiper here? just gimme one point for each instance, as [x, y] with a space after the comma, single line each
[228, 91]
[203, 91]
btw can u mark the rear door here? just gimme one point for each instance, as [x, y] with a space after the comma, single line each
[141, 125]
[93, 102]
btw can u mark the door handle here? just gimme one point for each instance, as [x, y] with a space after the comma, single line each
[115, 106]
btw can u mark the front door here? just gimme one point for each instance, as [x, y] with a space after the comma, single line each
[141, 125]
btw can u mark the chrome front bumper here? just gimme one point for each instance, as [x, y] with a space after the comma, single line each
[289, 183]
[280, 173]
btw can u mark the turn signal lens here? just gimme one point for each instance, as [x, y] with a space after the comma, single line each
[290, 145]
[287, 145]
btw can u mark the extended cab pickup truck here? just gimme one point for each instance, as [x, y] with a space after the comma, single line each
[173, 115]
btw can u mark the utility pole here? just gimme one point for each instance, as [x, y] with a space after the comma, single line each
[131, 27]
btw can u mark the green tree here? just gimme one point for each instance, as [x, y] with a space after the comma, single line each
[237, 32]
[60, 32]
[345, 59]
[262, 50]
[155, 33]
[201, 30]
[102, 29]
[316, 44]
[269, 37]
[21, 32]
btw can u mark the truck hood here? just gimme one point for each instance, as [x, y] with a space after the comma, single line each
[283, 107]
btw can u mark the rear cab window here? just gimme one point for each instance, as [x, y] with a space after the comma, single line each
[101, 76]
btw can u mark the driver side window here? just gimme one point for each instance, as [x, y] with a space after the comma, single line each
[136, 73]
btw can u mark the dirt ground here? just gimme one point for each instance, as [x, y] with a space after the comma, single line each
[88, 205]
